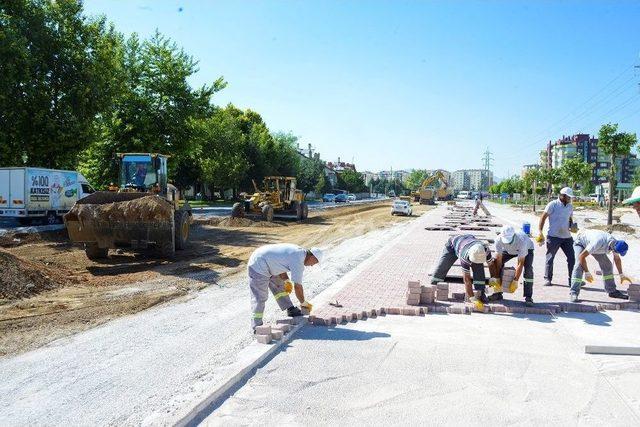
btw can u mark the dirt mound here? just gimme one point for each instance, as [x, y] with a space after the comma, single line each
[20, 278]
[142, 209]
[240, 222]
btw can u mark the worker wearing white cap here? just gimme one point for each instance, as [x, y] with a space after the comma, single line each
[268, 268]
[560, 214]
[515, 244]
[472, 254]
[634, 200]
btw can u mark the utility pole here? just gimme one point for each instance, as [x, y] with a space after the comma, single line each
[487, 161]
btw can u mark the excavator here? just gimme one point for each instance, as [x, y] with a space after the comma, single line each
[434, 187]
[141, 212]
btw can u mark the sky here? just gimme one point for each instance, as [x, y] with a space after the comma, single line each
[411, 84]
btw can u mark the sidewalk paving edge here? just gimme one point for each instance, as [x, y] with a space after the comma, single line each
[252, 356]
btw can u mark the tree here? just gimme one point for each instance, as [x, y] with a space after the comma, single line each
[219, 141]
[153, 112]
[574, 171]
[616, 145]
[636, 176]
[311, 170]
[415, 178]
[351, 181]
[59, 71]
[281, 154]
[552, 177]
[323, 185]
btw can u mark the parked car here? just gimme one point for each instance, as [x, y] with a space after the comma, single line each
[341, 198]
[329, 197]
[351, 197]
[401, 207]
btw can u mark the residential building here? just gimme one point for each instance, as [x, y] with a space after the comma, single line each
[368, 177]
[585, 147]
[472, 179]
[340, 166]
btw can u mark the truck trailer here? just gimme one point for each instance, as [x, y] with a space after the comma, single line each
[35, 193]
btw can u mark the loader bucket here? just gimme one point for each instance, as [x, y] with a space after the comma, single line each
[114, 220]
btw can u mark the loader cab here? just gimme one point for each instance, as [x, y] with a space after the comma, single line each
[143, 172]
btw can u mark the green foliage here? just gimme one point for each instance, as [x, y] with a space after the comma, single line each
[323, 185]
[415, 178]
[552, 177]
[310, 173]
[351, 181]
[575, 171]
[59, 70]
[219, 141]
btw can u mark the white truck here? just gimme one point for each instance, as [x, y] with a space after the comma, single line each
[35, 193]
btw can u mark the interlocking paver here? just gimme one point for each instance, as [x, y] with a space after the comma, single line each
[383, 286]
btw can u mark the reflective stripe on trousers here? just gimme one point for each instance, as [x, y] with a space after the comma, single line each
[259, 286]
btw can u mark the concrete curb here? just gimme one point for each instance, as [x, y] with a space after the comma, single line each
[253, 356]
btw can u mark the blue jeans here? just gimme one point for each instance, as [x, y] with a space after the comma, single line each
[553, 244]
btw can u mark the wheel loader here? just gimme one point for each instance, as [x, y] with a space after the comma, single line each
[142, 214]
[278, 197]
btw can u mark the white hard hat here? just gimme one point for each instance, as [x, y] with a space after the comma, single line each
[567, 191]
[635, 197]
[477, 253]
[506, 233]
[318, 253]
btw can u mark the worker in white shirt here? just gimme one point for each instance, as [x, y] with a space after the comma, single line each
[269, 267]
[515, 244]
[560, 215]
[598, 244]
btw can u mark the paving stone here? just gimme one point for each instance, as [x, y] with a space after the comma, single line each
[282, 327]
[263, 330]
[264, 339]
[277, 335]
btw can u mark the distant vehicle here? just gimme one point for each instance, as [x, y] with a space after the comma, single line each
[593, 198]
[34, 193]
[341, 198]
[351, 197]
[391, 193]
[465, 195]
[329, 197]
[401, 207]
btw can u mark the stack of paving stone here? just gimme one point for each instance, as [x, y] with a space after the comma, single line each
[442, 291]
[266, 333]
[508, 274]
[634, 292]
[413, 293]
[427, 294]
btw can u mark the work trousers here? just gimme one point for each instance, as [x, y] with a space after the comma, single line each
[528, 271]
[553, 244]
[259, 286]
[605, 265]
[446, 261]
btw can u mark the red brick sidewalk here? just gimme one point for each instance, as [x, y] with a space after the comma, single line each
[381, 287]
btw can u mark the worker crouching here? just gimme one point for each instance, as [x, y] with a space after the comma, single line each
[515, 244]
[268, 268]
[472, 254]
[598, 244]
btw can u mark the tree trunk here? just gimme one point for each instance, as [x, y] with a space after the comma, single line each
[612, 178]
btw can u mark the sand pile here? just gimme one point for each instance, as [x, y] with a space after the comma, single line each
[143, 209]
[20, 278]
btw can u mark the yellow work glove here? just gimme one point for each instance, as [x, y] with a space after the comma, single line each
[540, 238]
[624, 278]
[574, 228]
[588, 277]
[513, 286]
[477, 304]
[307, 306]
[288, 286]
[496, 284]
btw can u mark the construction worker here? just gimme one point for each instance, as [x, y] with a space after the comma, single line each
[598, 244]
[472, 254]
[634, 200]
[268, 268]
[560, 214]
[515, 244]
